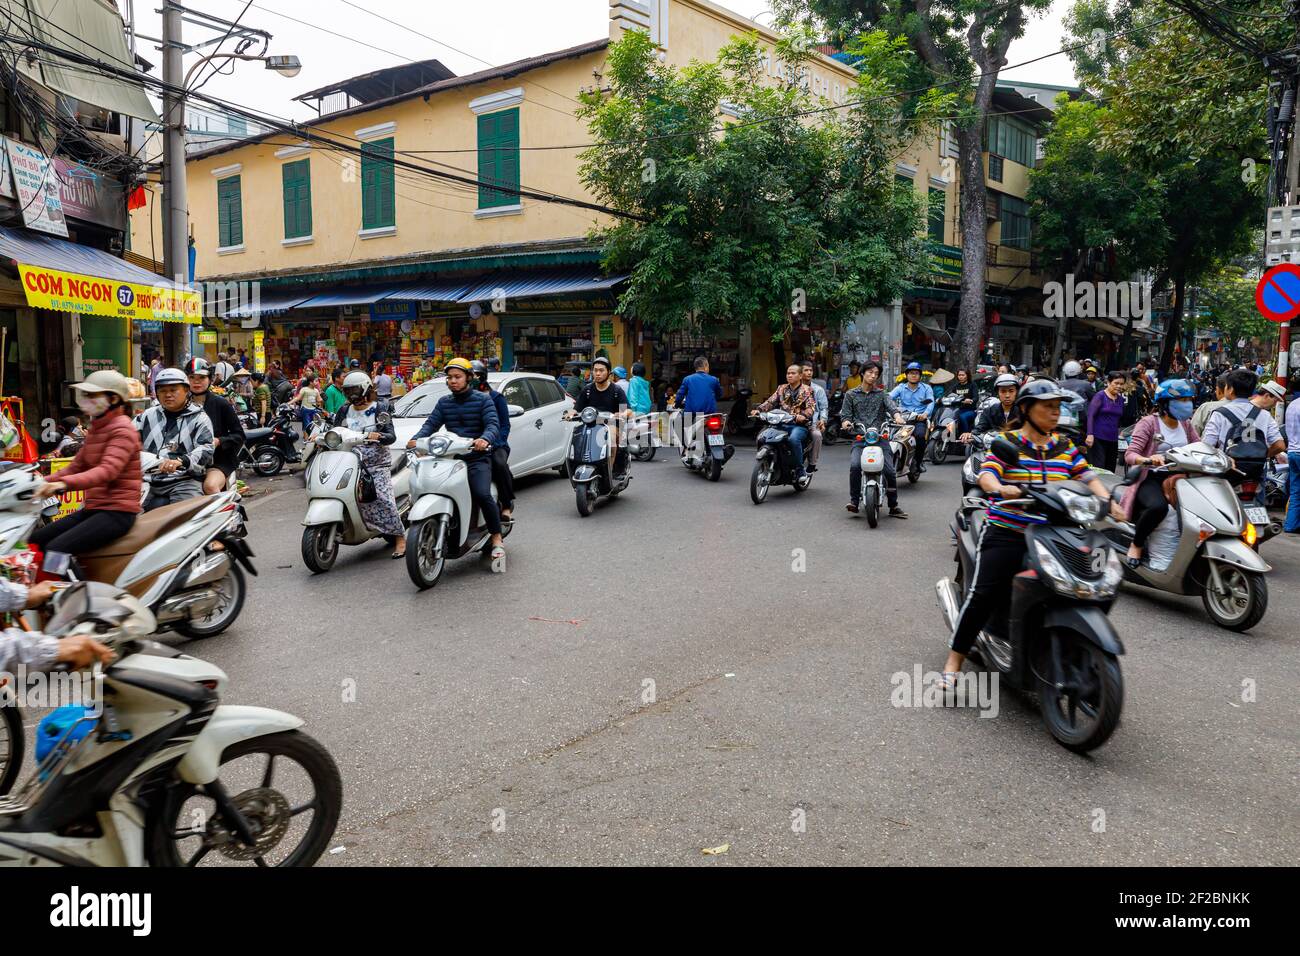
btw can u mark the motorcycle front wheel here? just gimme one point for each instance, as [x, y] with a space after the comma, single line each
[320, 547]
[12, 746]
[940, 453]
[1245, 602]
[871, 504]
[584, 499]
[760, 481]
[422, 563]
[275, 782]
[1083, 710]
[644, 453]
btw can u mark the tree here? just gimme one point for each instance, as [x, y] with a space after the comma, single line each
[961, 44]
[752, 201]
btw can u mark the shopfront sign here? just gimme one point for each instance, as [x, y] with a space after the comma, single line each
[605, 331]
[89, 195]
[568, 304]
[35, 188]
[206, 338]
[70, 292]
[945, 262]
[259, 351]
[148, 325]
[386, 311]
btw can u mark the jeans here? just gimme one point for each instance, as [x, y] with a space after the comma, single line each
[1293, 506]
[480, 489]
[501, 475]
[919, 432]
[169, 494]
[797, 434]
[82, 531]
[965, 421]
[890, 477]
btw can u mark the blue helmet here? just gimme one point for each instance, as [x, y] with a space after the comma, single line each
[1174, 388]
[913, 367]
[621, 372]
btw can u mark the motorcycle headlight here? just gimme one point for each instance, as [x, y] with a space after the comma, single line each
[589, 415]
[1113, 575]
[439, 445]
[873, 435]
[1213, 463]
[1082, 509]
[333, 440]
[1061, 579]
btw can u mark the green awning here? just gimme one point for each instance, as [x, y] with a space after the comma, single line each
[88, 28]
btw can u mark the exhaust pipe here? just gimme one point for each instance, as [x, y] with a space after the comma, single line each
[948, 604]
[208, 570]
[187, 605]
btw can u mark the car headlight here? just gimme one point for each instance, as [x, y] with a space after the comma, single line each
[1082, 509]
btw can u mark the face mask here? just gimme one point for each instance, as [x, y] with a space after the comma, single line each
[93, 405]
[1181, 410]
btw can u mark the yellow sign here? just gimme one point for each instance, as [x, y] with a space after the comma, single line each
[259, 351]
[69, 501]
[70, 292]
[207, 338]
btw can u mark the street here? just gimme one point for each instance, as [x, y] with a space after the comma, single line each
[683, 670]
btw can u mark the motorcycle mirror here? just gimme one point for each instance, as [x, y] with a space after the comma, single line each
[1006, 452]
[515, 410]
[383, 418]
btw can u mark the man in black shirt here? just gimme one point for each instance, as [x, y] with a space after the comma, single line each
[604, 396]
[227, 432]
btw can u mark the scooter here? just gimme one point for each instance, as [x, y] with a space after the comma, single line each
[589, 469]
[704, 446]
[167, 774]
[643, 438]
[1247, 492]
[185, 561]
[739, 421]
[267, 450]
[334, 489]
[940, 438]
[1056, 640]
[1214, 556]
[774, 459]
[902, 441]
[871, 493]
[833, 405]
[970, 468]
[444, 521]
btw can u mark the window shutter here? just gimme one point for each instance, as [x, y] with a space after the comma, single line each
[936, 214]
[297, 199]
[230, 222]
[377, 185]
[498, 158]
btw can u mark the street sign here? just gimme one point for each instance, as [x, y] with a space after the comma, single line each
[1278, 294]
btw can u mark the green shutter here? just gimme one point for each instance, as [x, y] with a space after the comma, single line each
[498, 158]
[378, 201]
[230, 216]
[297, 198]
[936, 214]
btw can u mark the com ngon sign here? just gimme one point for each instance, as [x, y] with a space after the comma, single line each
[70, 292]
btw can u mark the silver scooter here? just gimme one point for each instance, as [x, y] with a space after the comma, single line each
[334, 488]
[444, 523]
[704, 445]
[1215, 557]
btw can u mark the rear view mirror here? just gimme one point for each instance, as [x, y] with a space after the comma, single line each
[1006, 452]
[515, 410]
[383, 418]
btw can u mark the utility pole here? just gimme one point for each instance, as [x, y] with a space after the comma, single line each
[175, 219]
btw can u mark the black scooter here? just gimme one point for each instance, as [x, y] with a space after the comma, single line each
[268, 450]
[739, 421]
[589, 471]
[774, 460]
[1056, 640]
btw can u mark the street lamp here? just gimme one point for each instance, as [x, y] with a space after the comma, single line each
[287, 66]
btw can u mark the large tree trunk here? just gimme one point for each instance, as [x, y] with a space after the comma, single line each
[974, 246]
[1173, 330]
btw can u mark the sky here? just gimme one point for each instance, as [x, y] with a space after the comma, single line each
[466, 36]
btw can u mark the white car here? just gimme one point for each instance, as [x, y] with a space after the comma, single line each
[539, 437]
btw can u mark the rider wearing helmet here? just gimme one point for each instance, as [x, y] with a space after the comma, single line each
[1044, 456]
[227, 432]
[603, 395]
[917, 397]
[470, 414]
[1072, 379]
[995, 417]
[366, 414]
[501, 476]
[180, 433]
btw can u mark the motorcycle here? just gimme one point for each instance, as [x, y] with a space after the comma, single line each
[164, 763]
[903, 442]
[1056, 639]
[267, 450]
[643, 438]
[871, 493]
[1214, 556]
[739, 421]
[1074, 419]
[970, 468]
[311, 442]
[943, 436]
[833, 404]
[444, 521]
[334, 489]
[1247, 491]
[589, 468]
[704, 446]
[774, 459]
[185, 561]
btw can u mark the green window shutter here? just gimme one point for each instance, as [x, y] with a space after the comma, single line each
[378, 183]
[297, 198]
[936, 214]
[498, 158]
[230, 217]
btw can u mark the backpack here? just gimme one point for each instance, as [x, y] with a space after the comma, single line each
[1249, 456]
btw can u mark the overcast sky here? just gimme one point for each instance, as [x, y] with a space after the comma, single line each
[466, 36]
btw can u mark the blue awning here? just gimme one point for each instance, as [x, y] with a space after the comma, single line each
[37, 249]
[354, 296]
[450, 291]
[267, 304]
[527, 285]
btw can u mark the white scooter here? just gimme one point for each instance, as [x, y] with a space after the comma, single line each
[444, 522]
[167, 774]
[873, 466]
[704, 445]
[1215, 555]
[334, 510]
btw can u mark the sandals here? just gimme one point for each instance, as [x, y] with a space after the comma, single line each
[948, 680]
[397, 555]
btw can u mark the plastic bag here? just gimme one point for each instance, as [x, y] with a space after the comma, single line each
[1162, 545]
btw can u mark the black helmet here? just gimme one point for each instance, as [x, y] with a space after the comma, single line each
[480, 373]
[1040, 390]
[638, 368]
[198, 366]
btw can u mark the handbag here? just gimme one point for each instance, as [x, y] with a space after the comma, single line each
[366, 491]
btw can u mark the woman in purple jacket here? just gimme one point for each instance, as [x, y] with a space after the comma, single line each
[1103, 422]
[1169, 426]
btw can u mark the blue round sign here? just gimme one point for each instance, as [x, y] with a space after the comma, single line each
[1278, 294]
[124, 295]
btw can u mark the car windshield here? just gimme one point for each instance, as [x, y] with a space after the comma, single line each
[419, 403]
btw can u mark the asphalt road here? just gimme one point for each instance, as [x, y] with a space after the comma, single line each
[510, 718]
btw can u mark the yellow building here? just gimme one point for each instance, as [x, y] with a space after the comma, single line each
[326, 254]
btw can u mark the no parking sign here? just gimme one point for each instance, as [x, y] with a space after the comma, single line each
[1278, 294]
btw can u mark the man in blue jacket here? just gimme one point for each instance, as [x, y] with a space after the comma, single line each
[916, 396]
[699, 392]
[470, 414]
[501, 476]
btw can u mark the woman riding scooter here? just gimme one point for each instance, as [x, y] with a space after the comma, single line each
[107, 468]
[361, 414]
[1169, 426]
[1044, 456]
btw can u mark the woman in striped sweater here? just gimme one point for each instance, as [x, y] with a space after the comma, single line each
[1044, 456]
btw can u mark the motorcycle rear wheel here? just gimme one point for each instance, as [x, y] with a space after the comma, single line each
[871, 504]
[644, 453]
[267, 462]
[319, 557]
[760, 481]
[13, 746]
[713, 470]
[1101, 696]
[233, 587]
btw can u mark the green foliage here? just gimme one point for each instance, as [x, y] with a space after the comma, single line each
[746, 190]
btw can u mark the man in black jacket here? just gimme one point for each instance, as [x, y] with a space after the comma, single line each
[870, 407]
[227, 432]
[470, 414]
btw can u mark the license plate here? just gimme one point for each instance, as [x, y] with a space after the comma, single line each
[1257, 515]
[717, 439]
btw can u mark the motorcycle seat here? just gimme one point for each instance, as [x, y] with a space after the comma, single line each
[254, 434]
[107, 563]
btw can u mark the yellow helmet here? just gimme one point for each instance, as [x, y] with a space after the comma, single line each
[459, 363]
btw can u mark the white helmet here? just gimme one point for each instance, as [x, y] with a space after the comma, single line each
[356, 382]
[1007, 380]
[1072, 369]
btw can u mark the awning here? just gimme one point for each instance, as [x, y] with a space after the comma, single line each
[1103, 325]
[527, 285]
[357, 296]
[431, 292]
[267, 304]
[1038, 320]
[67, 277]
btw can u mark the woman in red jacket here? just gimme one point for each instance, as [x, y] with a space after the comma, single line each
[107, 468]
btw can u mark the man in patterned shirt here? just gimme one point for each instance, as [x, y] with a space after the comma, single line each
[796, 398]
